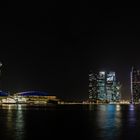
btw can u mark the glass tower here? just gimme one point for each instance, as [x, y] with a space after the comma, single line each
[135, 85]
[103, 87]
[93, 87]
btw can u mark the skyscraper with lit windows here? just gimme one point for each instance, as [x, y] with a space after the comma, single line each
[93, 93]
[135, 85]
[106, 88]
[101, 86]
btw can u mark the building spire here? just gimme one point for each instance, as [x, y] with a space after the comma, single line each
[131, 84]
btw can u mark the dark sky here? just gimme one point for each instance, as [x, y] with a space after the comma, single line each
[52, 47]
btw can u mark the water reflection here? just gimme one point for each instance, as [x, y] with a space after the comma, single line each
[118, 107]
[104, 122]
[132, 116]
[19, 125]
[15, 121]
[108, 121]
[131, 107]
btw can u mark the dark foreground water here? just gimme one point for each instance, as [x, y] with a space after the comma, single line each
[74, 122]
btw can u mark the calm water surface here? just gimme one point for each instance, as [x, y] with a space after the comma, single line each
[88, 122]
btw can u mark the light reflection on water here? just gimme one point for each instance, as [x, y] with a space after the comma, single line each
[14, 123]
[132, 116]
[109, 121]
[115, 121]
[104, 122]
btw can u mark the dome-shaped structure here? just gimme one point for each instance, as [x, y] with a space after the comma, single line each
[2, 93]
[32, 93]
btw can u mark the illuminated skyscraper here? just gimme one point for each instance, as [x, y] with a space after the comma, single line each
[93, 86]
[102, 86]
[110, 86]
[106, 88]
[135, 85]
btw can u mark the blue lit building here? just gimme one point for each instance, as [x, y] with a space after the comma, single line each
[35, 97]
[32, 93]
[3, 94]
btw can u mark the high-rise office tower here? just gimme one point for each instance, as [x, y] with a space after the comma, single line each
[102, 86]
[106, 85]
[135, 85]
[93, 86]
[111, 86]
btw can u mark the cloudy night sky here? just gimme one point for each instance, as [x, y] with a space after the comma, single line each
[53, 48]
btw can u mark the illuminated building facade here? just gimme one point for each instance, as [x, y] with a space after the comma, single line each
[101, 86]
[28, 97]
[112, 87]
[104, 87]
[135, 85]
[93, 93]
[35, 97]
[3, 95]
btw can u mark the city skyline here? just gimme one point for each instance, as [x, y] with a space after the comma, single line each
[53, 50]
[106, 78]
[69, 70]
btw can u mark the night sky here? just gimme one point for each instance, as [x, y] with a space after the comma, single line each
[51, 47]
